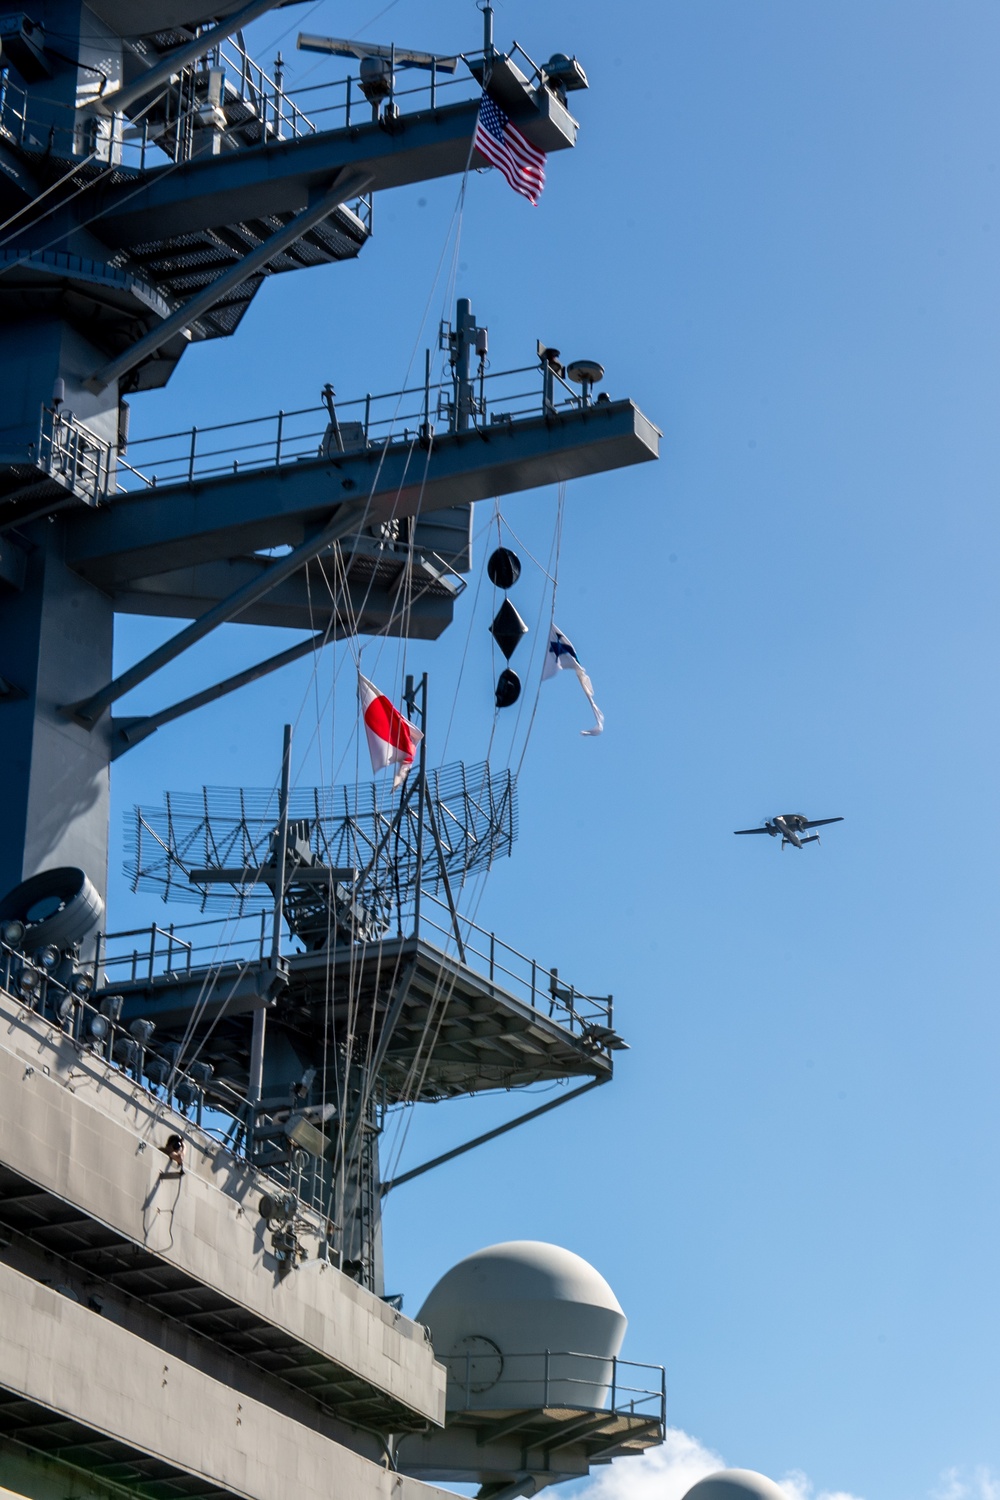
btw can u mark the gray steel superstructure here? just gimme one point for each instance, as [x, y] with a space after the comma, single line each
[190, 1189]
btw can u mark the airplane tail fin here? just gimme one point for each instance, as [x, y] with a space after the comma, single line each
[813, 838]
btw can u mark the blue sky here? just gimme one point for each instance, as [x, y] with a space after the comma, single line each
[778, 233]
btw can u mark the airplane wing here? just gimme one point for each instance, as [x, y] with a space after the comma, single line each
[820, 822]
[749, 830]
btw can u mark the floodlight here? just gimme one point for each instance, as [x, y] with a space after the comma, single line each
[111, 1006]
[99, 1028]
[48, 956]
[12, 933]
[278, 1208]
[157, 1070]
[142, 1031]
[30, 981]
[126, 1052]
[306, 1136]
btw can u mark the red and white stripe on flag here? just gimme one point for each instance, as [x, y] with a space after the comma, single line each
[505, 148]
[392, 740]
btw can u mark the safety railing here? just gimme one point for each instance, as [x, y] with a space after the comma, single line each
[74, 455]
[141, 955]
[177, 123]
[484, 1377]
[402, 417]
[519, 975]
[87, 1014]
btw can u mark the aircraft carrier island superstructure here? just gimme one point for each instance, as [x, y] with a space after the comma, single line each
[191, 1288]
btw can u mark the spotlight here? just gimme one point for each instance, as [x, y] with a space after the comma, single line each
[82, 985]
[111, 1006]
[30, 981]
[48, 956]
[12, 933]
[306, 1136]
[185, 1092]
[99, 1028]
[279, 1208]
[126, 1052]
[142, 1031]
[65, 1008]
[157, 1070]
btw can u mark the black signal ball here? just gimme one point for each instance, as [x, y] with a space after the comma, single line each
[503, 568]
[508, 688]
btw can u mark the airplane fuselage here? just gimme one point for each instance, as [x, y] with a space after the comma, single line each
[792, 828]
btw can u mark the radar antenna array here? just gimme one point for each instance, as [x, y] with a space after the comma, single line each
[348, 844]
[401, 57]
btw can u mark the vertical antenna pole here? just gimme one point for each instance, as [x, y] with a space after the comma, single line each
[427, 396]
[465, 334]
[488, 31]
[282, 849]
[260, 1016]
[421, 789]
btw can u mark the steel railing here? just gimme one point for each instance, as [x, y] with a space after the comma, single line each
[87, 1020]
[258, 110]
[562, 1378]
[70, 452]
[406, 416]
[140, 955]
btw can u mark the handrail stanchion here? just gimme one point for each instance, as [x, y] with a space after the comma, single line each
[545, 1401]
[614, 1381]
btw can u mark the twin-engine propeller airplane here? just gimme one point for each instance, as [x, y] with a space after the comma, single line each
[791, 826]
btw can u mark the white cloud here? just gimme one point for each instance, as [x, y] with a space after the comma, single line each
[665, 1473]
[968, 1484]
[668, 1472]
[797, 1486]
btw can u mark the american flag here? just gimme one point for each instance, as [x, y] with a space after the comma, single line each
[505, 147]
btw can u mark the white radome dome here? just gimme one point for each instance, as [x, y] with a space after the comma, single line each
[524, 1324]
[736, 1484]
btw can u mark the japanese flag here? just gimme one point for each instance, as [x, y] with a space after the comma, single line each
[392, 740]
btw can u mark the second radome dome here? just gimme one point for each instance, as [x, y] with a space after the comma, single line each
[736, 1484]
